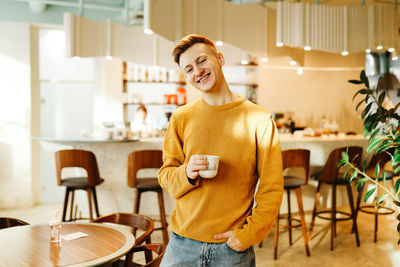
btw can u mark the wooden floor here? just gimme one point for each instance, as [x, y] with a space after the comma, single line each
[385, 252]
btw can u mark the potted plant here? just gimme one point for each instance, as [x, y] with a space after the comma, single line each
[382, 127]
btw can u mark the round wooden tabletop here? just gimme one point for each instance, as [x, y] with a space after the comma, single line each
[29, 245]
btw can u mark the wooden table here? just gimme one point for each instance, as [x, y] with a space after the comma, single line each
[29, 245]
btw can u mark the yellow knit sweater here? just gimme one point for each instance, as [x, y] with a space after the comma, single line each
[245, 137]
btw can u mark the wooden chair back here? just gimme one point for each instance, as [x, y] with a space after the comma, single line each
[78, 158]
[142, 159]
[382, 158]
[159, 249]
[330, 171]
[297, 158]
[133, 220]
[6, 222]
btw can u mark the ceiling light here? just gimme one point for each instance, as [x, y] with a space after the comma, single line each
[279, 44]
[300, 71]
[293, 63]
[219, 43]
[345, 53]
[391, 50]
[307, 48]
[76, 58]
[367, 50]
[379, 47]
[148, 31]
[265, 59]
[109, 58]
[244, 62]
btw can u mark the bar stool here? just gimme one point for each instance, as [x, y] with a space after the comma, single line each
[144, 159]
[382, 158]
[330, 175]
[82, 159]
[294, 158]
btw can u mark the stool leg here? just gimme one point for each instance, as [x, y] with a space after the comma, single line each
[276, 237]
[88, 190]
[71, 217]
[303, 221]
[351, 201]
[137, 201]
[359, 197]
[65, 204]
[376, 225]
[96, 206]
[316, 201]
[162, 216]
[333, 215]
[289, 217]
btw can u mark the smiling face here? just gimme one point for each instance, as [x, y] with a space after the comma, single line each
[202, 67]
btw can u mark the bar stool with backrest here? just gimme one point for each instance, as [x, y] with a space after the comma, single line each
[382, 159]
[145, 159]
[294, 158]
[330, 175]
[82, 159]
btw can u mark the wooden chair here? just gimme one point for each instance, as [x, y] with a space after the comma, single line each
[330, 175]
[144, 159]
[381, 158]
[133, 220]
[83, 159]
[6, 222]
[294, 158]
[159, 249]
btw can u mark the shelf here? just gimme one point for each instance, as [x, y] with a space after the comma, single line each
[181, 83]
[151, 104]
[245, 84]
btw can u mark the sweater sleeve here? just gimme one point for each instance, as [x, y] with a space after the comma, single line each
[270, 188]
[172, 175]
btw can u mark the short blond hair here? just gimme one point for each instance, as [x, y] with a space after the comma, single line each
[187, 42]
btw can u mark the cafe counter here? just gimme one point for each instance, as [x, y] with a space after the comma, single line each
[114, 195]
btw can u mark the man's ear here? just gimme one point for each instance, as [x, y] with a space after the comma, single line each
[221, 58]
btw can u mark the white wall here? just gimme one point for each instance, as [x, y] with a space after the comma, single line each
[15, 184]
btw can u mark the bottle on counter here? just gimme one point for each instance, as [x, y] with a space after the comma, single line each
[55, 228]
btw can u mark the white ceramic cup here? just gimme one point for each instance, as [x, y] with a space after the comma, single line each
[212, 168]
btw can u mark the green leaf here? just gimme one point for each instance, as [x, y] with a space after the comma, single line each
[366, 110]
[346, 173]
[381, 98]
[381, 198]
[373, 144]
[377, 170]
[398, 242]
[398, 217]
[396, 202]
[396, 186]
[364, 164]
[366, 82]
[355, 81]
[362, 180]
[365, 132]
[345, 156]
[358, 105]
[360, 187]
[397, 170]
[384, 177]
[353, 176]
[362, 76]
[398, 227]
[369, 193]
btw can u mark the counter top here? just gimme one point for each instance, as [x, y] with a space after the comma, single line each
[75, 139]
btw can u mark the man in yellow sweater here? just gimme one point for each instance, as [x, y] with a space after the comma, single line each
[215, 222]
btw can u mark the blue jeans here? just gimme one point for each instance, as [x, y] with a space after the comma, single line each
[183, 252]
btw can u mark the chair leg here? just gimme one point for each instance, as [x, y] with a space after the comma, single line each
[376, 227]
[358, 204]
[316, 201]
[89, 193]
[71, 216]
[333, 215]
[137, 201]
[65, 204]
[276, 239]
[96, 205]
[351, 202]
[302, 219]
[162, 216]
[289, 217]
